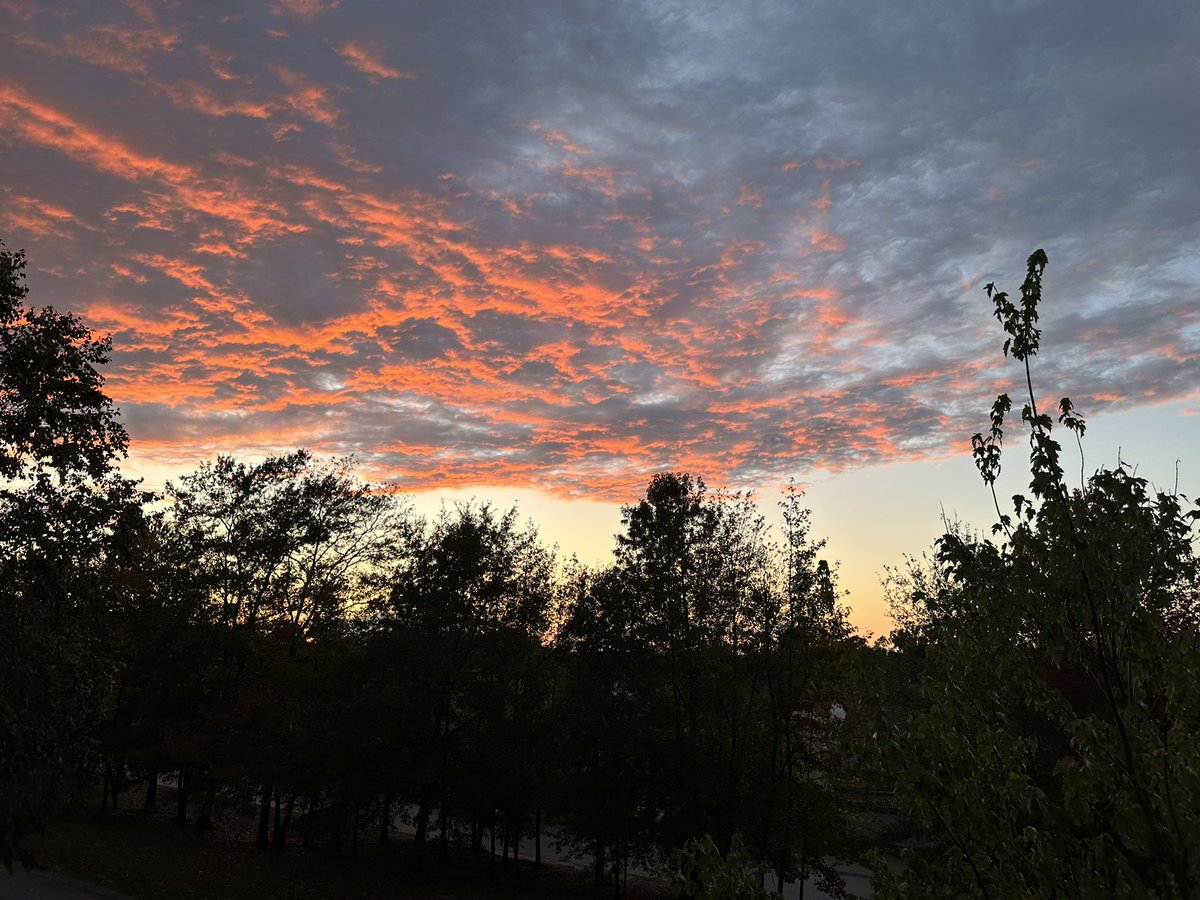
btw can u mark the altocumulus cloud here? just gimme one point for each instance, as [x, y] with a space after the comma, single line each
[567, 245]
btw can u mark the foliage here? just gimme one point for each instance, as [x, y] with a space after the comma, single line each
[702, 667]
[282, 552]
[285, 634]
[54, 416]
[286, 544]
[1054, 750]
[707, 874]
[64, 513]
[464, 621]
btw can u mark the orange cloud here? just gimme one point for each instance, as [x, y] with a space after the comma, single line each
[820, 163]
[121, 49]
[35, 217]
[203, 99]
[749, 196]
[186, 273]
[825, 241]
[217, 61]
[640, 326]
[367, 61]
[116, 47]
[567, 145]
[307, 97]
[304, 9]
[40, 124]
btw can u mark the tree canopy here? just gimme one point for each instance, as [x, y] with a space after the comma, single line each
[64, 514]
[285, 634]
[1054, 750]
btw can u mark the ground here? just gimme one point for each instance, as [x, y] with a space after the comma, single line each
[150, 857]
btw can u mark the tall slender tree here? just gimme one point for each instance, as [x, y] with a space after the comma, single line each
[1055, 749]
[466, 613]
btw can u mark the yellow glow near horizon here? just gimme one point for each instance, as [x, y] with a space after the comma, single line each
[871, 517]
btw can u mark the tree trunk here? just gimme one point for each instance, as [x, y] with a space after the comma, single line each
[181, 797]
[264, 817]
[598, 867]
[104, 789]
[443, 825]
[151, 803]
[339, 828]
[206, 805]
[492, 861]
[537, 837]
[423, 813]
[517, 849]
[279, 836]
[385, 823]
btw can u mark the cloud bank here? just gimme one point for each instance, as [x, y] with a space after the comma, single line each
[567, 246]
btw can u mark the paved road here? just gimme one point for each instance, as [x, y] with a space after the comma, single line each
[22, 884]
[857, 878]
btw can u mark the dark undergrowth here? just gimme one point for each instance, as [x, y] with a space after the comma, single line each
[150, 857]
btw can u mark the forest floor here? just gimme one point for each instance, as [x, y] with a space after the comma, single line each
[152, 858]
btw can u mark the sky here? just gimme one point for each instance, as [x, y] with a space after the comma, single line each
[538, 252]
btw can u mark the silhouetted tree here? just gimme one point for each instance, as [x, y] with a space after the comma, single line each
[702, 668]
[1055, 751]
[807, 781]
[61, 505]
[467, 613]
[610, 733]
[283, 550]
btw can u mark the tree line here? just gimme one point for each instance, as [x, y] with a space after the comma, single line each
[288, 635]
[284, 636]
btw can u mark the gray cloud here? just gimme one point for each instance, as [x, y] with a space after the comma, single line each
[567, 245]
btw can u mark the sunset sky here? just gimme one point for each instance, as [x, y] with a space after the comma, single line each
[540, 251]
